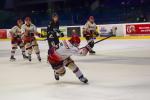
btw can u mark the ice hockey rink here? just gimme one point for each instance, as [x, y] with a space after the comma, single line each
[119, 71]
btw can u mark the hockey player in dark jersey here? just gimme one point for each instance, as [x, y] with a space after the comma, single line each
[53, 32]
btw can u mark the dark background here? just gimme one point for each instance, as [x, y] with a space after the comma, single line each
[74, 12]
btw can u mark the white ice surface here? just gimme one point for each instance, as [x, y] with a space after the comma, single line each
[119, 71]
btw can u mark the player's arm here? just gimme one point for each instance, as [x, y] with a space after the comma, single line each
[12, 32]
[59, 33]
[36, 32]
[25, 34]
[86, 31]
[87, 26]
[50, 31]
[24, 31]
[74, 50]
[57, 30]
[83, 51]
[78, 51]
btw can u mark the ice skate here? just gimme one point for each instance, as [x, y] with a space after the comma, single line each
[92, 52]
[25, 57]
[29, 58]
[12, 58]
[56, 76]
[39, 58]
[83, 79]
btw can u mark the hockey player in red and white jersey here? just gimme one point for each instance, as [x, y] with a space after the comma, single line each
[16, 40]
[60, 58]
[90, 32]
[29, 31]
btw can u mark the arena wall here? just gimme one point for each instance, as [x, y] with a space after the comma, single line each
[122, 30]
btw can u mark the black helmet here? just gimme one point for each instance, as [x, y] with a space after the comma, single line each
[18, 18]
[54, 15]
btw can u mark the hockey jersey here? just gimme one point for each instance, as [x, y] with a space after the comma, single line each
[31, 29]
[90, 26]
[66, 49]
[52, 34]
[15, 31]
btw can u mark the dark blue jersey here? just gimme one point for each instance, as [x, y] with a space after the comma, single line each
[52, 33]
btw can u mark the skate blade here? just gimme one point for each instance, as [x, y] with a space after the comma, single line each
[39, 60]
[92, 53]
[12, 60]
[25, 59]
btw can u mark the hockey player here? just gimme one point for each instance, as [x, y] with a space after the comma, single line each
[89, 32]
[53, 32]
[29, 31]
[61, 58]
[16, 40]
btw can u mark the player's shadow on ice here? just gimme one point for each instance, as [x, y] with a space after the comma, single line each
[117, 60]
[66, 83]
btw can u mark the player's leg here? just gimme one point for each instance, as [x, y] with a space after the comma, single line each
[22, 47]
[13, 50]
[28, 46]
[50, 44]
[36, 49]
[57, 63]
[71, 65]
[59, 69]
[90, 43]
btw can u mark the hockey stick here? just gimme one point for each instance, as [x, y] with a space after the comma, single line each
[100, 40]
[103, 39]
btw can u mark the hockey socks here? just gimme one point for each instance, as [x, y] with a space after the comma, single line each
[77, 72]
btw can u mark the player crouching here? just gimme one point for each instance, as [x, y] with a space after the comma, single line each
[61, 58]
[16, 40]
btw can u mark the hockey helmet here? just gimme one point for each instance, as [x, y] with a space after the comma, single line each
[91, 17]
[75, 40]
[27, 19]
